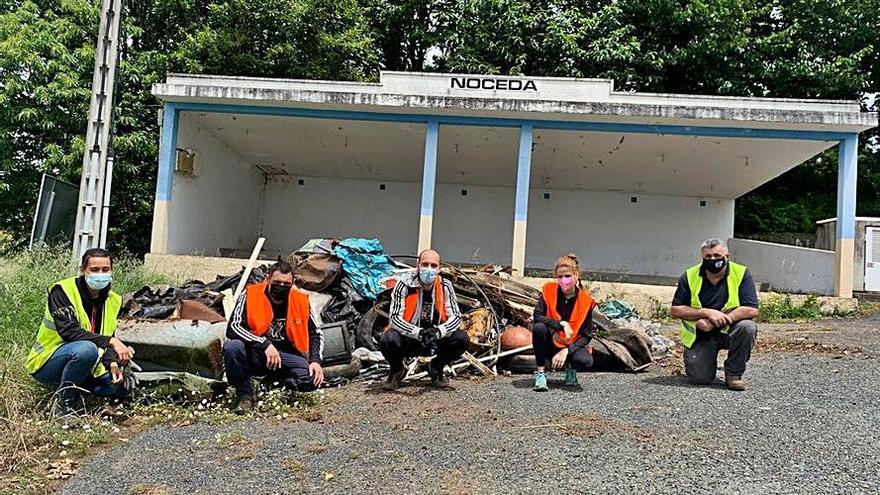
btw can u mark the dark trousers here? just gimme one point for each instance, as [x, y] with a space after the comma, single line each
[244, 362]
[395, 347]
[70, 369]
[701, 360]
[542, 341]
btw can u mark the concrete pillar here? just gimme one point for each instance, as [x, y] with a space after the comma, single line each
[521, 210]
[429, 182]
[165, 178]
[847, 166]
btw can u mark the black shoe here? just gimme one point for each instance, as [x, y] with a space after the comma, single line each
[438, 378]
[245, 405]
[394, 380]
[63, 409]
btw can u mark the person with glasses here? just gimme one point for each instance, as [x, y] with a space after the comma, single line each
[717, 304]
[272, 334]
[424, 320]
[563, 325]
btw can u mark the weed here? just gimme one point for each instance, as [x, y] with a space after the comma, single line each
[866, 308]
[230, 438]
[660, 311]
[780, 307]
[149, 489]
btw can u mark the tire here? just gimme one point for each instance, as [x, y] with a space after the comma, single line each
[371, 326]
[519, 364]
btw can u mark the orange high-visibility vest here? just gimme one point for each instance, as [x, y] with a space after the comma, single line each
[260, 316]
[411, 304]
[582, 308]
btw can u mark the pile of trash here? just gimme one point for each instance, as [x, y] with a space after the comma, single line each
[180, 329]
[624, 314]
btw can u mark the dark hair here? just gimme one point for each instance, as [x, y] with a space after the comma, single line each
[279, 266]
[95, 253]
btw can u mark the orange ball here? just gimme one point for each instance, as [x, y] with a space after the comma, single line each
[514, 337]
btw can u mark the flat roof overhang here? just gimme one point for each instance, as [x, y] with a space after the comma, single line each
[586, 135]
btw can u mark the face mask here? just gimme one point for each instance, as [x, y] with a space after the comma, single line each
[279, 292]
[98, 281]
[427, 275]
[566, 282]
[715, 266]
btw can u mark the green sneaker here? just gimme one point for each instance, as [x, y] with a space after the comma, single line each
[541, 382]
[571, 377]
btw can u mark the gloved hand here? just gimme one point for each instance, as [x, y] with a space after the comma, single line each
[129, 381]
[428, 337]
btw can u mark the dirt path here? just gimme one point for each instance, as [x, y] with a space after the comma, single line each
[806, 425]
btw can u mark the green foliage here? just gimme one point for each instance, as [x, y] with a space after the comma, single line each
[46, 61]
[540, 38]
[781, 307]
[774, 48]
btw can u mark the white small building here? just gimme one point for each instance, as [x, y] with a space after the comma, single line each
[866, 261]
[486, 169]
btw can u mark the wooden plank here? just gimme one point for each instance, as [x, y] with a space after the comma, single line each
[248, 268]
[482, 368]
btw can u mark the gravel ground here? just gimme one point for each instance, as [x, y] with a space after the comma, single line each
[807, 424]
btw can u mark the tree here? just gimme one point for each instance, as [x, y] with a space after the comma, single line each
[46, 54]
[776, 48]
[46, 61]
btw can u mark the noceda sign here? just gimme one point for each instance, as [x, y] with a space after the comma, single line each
[491, 83]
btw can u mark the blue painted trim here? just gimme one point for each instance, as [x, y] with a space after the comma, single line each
[523, 173]
[167, 151]
[429, 171]
[847, 174]
[676, 130]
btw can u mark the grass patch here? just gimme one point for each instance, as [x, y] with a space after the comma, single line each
[867, 308]
[149, 489]
[779, 307]
[230, 439]
[660, 311]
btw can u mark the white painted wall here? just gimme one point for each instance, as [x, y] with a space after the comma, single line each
[218, 206]
[657, 235]
[786, 268]
[326, 207]
[476, 228]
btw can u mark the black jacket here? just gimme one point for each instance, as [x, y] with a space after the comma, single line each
[67, 324]
[239, 329]
[564, 307]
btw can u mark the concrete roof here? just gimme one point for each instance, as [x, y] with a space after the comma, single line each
[858, 219]
[565, 98]
[622, 161]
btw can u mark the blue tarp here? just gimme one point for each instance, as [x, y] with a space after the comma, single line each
[615, 309]
[365, 263]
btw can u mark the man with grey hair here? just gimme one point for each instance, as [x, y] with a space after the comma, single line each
[717, 303]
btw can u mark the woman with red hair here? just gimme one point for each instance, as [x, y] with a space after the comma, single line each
[563, 324]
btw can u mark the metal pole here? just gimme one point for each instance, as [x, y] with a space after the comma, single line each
[108, 184]
[37, 210]
[90, 214]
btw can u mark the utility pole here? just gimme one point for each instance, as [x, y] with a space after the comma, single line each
[94, 189]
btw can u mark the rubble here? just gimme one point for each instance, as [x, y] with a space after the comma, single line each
[181, 329]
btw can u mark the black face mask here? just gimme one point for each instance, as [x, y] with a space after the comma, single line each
[279, 292]
[715, 266]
